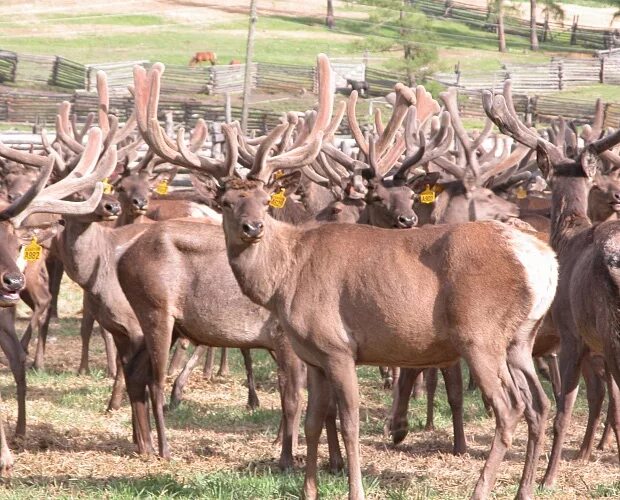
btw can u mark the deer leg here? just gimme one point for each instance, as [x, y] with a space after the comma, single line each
[336, 462]
[291, 375]
[554, 375]
[207, 372]
[12, 348]
[223, 371]
[571, 356]
[118, 388]
[136, 389]
[318, 405]
[55, 270]
[431, 388]
[606, 437]
[179, 383]
[6, 457]
[180, 354]
[491, 374]
[110, 353]
[86, 330]
[384, 371]
[453, 379]
[595, 392]
[342, 378]
[397, 424]
[521, 367]
[253, 401]
[614, 406]
[418, 385]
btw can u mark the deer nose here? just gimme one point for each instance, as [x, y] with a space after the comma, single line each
[139, 203]
[13, 196]
[13, 282]
[407, 222]
[112, 208]
[616, 196]
[253, 229]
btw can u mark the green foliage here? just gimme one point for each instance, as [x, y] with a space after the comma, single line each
[406, 28]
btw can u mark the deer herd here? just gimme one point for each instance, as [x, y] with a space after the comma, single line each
[291, 243]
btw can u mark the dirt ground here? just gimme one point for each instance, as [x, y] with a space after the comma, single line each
[72, 441]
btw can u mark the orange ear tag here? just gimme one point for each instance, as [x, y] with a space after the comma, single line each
[107, 187]
[162, 187]
[428, 195]
[32, 251]
[278, 199]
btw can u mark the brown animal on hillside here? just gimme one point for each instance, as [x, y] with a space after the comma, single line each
[201, 57]
[585, 306]
[234, 62]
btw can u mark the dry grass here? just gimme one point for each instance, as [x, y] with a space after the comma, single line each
[220, 450]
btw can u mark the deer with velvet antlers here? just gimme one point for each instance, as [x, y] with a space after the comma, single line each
[408, 299]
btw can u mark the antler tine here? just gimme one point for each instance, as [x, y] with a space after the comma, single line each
[292, 119]
[599, 118]
[140, 93]
[341, 158]
[356, 132]
[561, 135]
[379, 128]
[404, 98]
[401, 175]
[22, 156]
[426, 106]
[441, 140]
[510, 161]
[307, 152]
[63, 128]
[411, 129]
[23, 201]
[127, 130]
[325, 162]
[386, 163]
[260, 161]
[79, 136]
[198, 135]
[313, 175]
[488, 126]
[104, 101]
[335, 123]
[50, 199]
[609, 141]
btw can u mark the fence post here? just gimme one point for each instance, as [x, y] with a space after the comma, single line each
[560, 76]
[54, 76]
[227, 108]
[601, 73]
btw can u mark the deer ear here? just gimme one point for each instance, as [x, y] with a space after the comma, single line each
[591, 163]
[417, 183]
[289, 181]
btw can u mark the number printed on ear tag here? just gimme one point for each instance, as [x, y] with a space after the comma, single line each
[32, 251]
[278, 199]
[162, 187]
[428, 195]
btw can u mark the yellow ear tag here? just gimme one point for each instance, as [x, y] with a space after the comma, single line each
[32, 251]
[278, 199]
[162, 187]
[278, 174]
[428, 195]
[107, 187]
[521, 193]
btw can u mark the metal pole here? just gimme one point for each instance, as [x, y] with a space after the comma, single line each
[247, 84]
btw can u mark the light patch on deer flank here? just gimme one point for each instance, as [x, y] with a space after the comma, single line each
[199, 210]
[540, 266]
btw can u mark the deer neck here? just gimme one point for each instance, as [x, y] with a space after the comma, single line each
[83, 250]
[263, 267]
[569, 209]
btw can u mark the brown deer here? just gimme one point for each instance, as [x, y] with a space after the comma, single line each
[586, 301]
[430, 313]
[213, 311]
[202, 57]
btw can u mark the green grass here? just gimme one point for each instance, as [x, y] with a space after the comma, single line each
[608, 93]
[106, 19]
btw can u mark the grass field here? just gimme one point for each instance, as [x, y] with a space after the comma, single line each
[221, 450]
